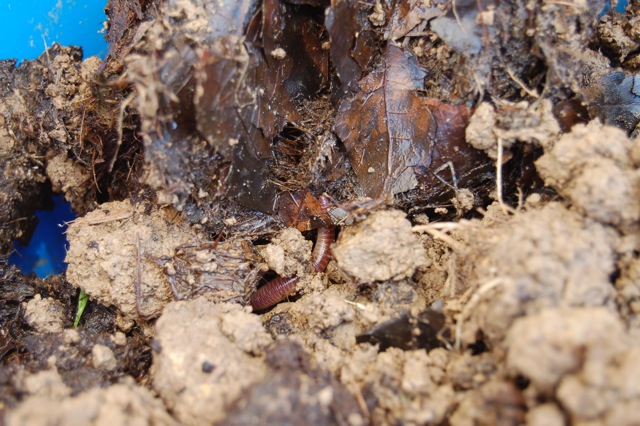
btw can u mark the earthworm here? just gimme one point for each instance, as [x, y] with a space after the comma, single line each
[273, 292]
[322, 250]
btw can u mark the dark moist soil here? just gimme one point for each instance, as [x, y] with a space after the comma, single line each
[479, 160]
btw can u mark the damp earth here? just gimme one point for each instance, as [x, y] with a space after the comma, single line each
[474, 166]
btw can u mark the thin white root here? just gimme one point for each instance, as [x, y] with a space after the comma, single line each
[468, 308]
[438, 231]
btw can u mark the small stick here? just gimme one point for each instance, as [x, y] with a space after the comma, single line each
[138, 286]
[485, 33]
[439, 233]
[123, 106]
[523, 86]
[112, 216]
[499, 177]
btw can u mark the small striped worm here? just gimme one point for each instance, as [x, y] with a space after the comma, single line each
[280, 288]
[322, 250]
[273, 292]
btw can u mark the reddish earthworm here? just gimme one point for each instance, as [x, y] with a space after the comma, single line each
[280, 288]
[273, 292]
[322, 250]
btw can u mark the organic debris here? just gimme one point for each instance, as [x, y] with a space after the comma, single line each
[443, 196]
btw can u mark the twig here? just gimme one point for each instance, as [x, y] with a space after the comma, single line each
[46, 50]
[450, 282]
[522, 85]
[111, 217]
[81, 139]
[355, 304]
[433, 229]
[505, 209]
[455, 13]
[485, 33]
[123, 106]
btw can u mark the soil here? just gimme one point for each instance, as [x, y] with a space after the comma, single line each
[481, 163]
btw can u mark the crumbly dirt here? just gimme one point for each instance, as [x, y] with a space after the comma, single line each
[380, 248]
[581, 355]
[494, 279]
[45, 315]
[562, 260]
[599, 179]
[114, 247]
[123, 403]
[205, 356]
[288, 254]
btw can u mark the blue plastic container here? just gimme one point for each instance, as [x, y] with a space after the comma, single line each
[28, 27]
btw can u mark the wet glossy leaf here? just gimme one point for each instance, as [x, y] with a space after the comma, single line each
[247, 92]
[615, 99]
[425, 331]
[225, 114]
[570, 112]
[296, 64]
[352, 44]
[454, 164]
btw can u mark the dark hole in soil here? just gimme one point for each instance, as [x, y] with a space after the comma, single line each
[478, 347]
[521, 382]
[45, 252]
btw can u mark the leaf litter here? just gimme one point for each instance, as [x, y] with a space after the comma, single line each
[480, 159]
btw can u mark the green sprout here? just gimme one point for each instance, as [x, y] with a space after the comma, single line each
[82, 303]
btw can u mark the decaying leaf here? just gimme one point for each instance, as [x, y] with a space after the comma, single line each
[351, 45]
[615, 100]
[451, 157]
[570, 112]
[247, 92]
[225, 110]
[121, 33]
[292, 43]
[301, 210]
[387, 128]
[398, 140]
[409, 14]
[401, 332]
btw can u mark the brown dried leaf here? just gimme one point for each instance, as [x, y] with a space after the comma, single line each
[387, 128]
[615, 100]
[247, 92]
[449, 146]
[225, 113]
[301, 210]
[352, 44]
[296, 64]
[407, 15]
